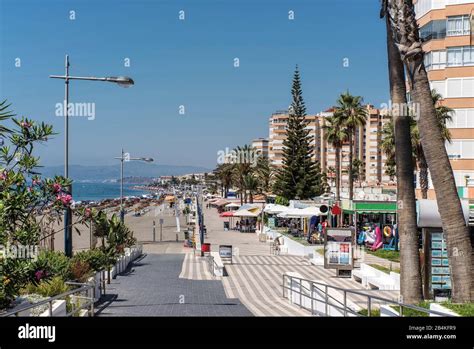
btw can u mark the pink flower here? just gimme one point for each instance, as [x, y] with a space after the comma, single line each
[56, 187]
[87, 212]
[3, 175]
[25, 124]
[36, 181]
[64, 198]
[40, 274]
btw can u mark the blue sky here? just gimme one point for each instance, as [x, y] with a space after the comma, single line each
[188, 63]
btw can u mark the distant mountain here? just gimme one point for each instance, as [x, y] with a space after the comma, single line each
[112, 172]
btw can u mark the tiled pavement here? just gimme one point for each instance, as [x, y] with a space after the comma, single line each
[172, 281]
[255, 277]
[196, 268]
[152, 287]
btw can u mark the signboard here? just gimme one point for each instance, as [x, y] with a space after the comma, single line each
[440, 275]
[225, 252]
[338, 249]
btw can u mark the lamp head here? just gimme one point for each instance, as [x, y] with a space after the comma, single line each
[123, 81]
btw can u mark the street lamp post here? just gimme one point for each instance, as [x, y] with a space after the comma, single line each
[126, 157]
[121, 81]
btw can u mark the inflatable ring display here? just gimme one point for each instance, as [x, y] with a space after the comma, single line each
[387, 231]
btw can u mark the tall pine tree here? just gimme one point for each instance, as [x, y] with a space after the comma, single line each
[300, 176]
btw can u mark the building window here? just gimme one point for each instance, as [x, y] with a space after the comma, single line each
[435, 60]
[463, 149]
[433, 30]
[455, 87]
[462, 118]
[460, 56]
[458, 25]
[454, 57]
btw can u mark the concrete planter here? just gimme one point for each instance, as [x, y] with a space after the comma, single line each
[59, 309]
[388, 311]
[96, 280]
[373, 278]
[83, 313]
[291, 246]
[442, 309]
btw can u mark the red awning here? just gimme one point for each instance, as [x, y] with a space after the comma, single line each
[227, 214]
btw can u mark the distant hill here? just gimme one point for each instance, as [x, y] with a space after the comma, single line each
[112, 172]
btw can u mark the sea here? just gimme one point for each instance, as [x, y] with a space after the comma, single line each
[96, 191]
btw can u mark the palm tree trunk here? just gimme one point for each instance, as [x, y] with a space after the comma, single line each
[338, 174]
[449, 205]
[423, 168]
[351, 155]
[410, 274]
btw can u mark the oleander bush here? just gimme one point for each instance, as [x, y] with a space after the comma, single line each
[30, 208]
[55, 263]
[96, 258]
[23, 196]
[80, 270]
[48, 288]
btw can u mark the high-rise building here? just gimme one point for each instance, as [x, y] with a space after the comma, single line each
[277, 134]
[445, 28]
[366, 146]
[261, 145]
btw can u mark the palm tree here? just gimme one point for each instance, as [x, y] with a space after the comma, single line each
[402, 18]
[264, 173]
[5, 114]
[251, 186]
[400, 160]
[336, 135]
[443, 114]
[224, 172]
[242, 167]
[353, 115]
[358, 170]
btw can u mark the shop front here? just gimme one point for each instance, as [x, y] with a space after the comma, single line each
[375, 222]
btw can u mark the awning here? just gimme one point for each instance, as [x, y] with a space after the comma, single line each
[247, 213]
[275, 208]
[428, 215]
[227, 214]
[312, 211]
[232, 205]
[372, 207]
[220, 202]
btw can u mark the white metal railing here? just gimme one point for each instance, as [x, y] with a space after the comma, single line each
[79, 298]
[314, 292]
[212, 265]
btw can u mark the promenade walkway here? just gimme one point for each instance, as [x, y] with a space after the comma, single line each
[255, 277]
[156, 285]
[171, 280]
[152, 287]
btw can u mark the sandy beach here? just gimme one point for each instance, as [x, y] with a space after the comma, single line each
[142, 227]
